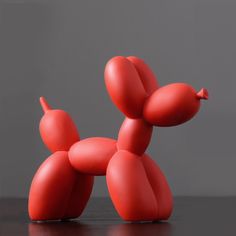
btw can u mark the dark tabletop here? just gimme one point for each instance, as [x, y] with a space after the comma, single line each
[192, 216]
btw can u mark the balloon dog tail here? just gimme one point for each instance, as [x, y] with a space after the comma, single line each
[57, 129]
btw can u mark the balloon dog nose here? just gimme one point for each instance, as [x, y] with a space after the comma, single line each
[173, 104]
[203, 94]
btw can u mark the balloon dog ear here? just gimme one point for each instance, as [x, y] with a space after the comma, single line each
[124, 86]
[146, 75]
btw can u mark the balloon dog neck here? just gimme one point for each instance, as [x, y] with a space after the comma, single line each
[134, 135]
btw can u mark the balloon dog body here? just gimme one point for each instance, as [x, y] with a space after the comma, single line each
[137, 187]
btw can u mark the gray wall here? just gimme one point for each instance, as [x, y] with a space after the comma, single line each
[59, 48]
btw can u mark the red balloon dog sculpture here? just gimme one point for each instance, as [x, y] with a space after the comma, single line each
[138, 189]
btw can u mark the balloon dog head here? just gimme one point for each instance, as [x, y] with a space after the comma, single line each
[134, 89]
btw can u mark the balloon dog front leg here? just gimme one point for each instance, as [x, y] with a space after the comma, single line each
[136, 184]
